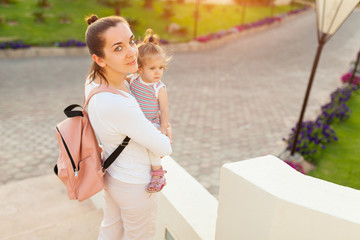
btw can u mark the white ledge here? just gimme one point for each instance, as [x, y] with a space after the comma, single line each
[277, 178]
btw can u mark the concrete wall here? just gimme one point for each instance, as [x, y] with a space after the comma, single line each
[260, 199]
[265, 199]
[187, 210]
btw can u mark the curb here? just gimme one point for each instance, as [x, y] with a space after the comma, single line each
[43, 52]
[173, 47]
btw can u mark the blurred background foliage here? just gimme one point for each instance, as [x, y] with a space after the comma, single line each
[45, 22]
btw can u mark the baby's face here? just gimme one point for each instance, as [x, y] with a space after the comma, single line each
[153, 68]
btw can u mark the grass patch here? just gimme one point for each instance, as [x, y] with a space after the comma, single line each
[52, 30]
[211, 20]
[339, 161]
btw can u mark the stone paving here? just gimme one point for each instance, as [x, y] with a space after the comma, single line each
[230, 103]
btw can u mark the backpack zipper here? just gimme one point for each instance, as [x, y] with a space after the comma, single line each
[68, 152]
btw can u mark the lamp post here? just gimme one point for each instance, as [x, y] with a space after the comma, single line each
[355, 68]
[292, 5]
[196, 16]
[244, 5]
[330, 15]
[272, 6]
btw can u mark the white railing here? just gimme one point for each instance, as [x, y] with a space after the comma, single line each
[260, 199]
[187, 210]
[264, 198]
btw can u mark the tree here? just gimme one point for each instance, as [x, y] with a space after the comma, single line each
[243, 4]
[168, 10]
[2, 20]
[116, 4]
[148, 4]
[271, 4]
[43, 3]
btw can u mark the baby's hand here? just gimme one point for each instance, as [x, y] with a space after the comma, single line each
[163, 131]
[169, 132]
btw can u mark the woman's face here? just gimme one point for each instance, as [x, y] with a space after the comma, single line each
[120, 50]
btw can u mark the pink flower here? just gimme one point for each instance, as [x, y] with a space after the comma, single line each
[296, 166]
[204, 38]
[347, 77]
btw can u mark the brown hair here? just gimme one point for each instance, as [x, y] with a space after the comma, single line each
[95, 41]
[150, 46]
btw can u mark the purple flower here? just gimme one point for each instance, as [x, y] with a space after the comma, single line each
[13, 45]
[163, 41]
[71, 43]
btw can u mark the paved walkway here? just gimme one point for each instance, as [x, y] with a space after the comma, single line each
[227, 104]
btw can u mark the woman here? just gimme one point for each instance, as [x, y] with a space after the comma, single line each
[129, 211]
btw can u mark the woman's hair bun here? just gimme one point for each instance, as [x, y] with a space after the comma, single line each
[91, 19]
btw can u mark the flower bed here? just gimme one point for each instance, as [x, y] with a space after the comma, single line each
[315, 135]
[243, 27]
[70, 43]
[13, 45]
[296, 166]
[239, 28]
[346, 78]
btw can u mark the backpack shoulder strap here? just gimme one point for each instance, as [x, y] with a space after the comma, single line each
[120, 148]
[101, 88]
[116, 153]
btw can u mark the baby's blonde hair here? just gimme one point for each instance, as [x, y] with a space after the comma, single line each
[149, 47]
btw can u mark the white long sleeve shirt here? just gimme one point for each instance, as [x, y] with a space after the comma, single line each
[113, 117]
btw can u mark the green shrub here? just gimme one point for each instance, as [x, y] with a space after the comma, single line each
[168, 11]
[8, 1]
[64, 17]
[133, 23]
[209, 7]
[148, 4]
[39, 15]
[43, 4]
[2, 20]
[118, 5]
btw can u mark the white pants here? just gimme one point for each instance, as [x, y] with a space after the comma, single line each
[129, 211]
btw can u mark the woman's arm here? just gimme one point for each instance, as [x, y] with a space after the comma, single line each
[125, 117]
[164, 110]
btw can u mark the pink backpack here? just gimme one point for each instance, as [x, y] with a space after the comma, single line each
[79, 165]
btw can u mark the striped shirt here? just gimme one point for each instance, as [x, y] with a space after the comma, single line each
[146, 95]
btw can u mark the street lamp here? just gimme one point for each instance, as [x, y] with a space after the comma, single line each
[330, 15]
[244, 5]
[272, 6]
[355, 68]
[196, 16]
